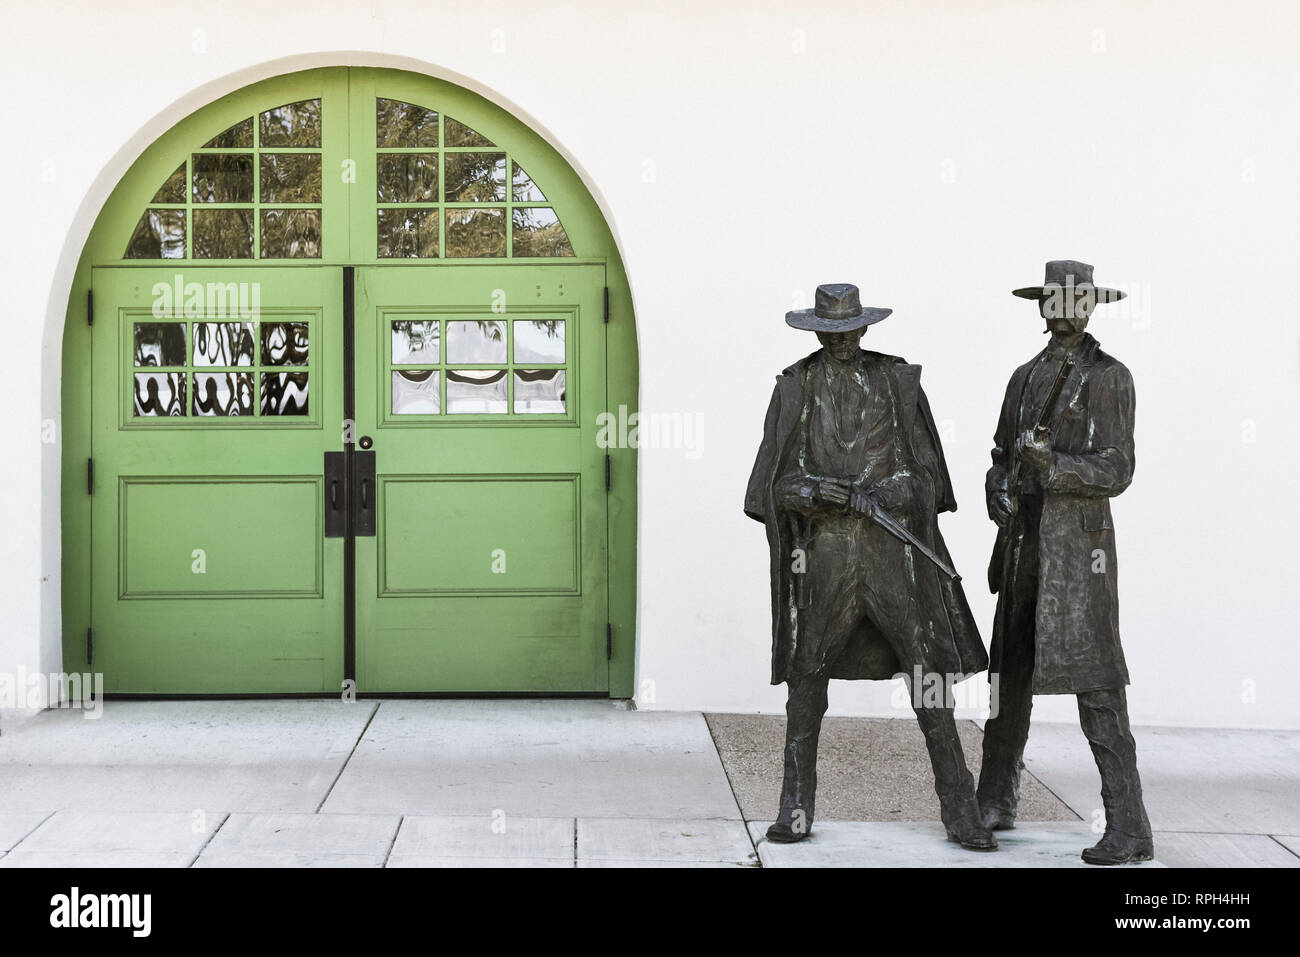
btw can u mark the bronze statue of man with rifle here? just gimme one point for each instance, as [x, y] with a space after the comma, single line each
[849, 481]
[1063, 447]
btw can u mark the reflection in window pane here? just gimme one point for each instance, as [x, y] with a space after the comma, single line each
[479, 340]
[223, 343]
[290, 177]
[540, 391]
[458, 134]
[223, 233]
[160, 234]
[223, 393]
[407, 177]
[172, 191]
[159, 344]
[476, 233]
[539, 340]
[476, 391]
[537, 232]
[239, 135]
[415, 341]
[525, 190]
[415, 392]
[290, 234]
[475, 177]
[407, 234]
[404, 124]
[294, 124]
[159, 393]
[284, 393]
[223, 177]
[284, 343]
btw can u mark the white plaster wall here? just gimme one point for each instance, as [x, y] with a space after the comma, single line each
[934, 153]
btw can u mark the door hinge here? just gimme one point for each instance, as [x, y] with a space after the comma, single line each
[609, 473]
[90, 646]
[607, 305]
[609, 641]
[90, 476]
[90, 307]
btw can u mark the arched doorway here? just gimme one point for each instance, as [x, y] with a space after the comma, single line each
[333, 369]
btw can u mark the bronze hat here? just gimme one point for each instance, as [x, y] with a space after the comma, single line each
[835, 309]
[1068, 274]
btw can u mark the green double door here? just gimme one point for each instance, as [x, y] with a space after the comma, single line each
[304, 474]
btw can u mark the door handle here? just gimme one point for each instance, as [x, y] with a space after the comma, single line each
[363, 508]
[334, 514]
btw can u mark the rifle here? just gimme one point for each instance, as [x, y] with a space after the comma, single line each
[890, 524]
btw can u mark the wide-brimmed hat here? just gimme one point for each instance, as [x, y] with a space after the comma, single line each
[1072, 276]
[835, 309]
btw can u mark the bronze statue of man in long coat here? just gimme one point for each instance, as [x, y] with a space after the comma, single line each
[1063, 447]
[849, 436]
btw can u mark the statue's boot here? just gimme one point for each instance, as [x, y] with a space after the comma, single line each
[1103, 715]
[804, 709]
[952, 781]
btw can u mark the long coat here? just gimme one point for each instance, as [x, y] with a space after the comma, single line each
[867, 655]
[1077, 645]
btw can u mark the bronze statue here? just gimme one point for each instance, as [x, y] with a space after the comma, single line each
[1063, 447]
[849, 481]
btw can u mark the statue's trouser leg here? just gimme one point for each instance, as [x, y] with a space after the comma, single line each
[1103, 715]
[805, 706]
[952, 780]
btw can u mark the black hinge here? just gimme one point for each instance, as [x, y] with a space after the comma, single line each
[609, 641]
[90, 646]
[90, 476]
[90, 307]
[609, 473]
[607, 305]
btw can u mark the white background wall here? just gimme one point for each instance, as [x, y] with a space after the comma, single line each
[933, 153]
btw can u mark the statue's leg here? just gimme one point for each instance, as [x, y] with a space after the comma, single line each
[952, 779]
[805, 706]
[1007, 729]
[1103, 715]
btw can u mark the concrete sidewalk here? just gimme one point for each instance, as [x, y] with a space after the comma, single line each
[559, 783]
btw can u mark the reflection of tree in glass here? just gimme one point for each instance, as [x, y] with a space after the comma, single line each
[159, 343]
[294, 124]
[404, 124]
[284, 393]
[153, 402]
[238, 392]
[284, 343]
[223, 233]
[475, 177]
[475, 233]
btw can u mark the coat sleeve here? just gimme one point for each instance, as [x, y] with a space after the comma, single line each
[1107, 469]
[758, 495]
[1003, 443]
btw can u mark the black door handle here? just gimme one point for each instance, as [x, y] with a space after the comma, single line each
[334, 514]
[363, 508]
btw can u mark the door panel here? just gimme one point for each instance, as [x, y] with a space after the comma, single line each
[219, 390]
[480, 388]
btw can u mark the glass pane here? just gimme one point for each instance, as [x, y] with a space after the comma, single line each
[404, 124]
[476, 232]
[294, 124]
[172, 191]
[160, 343]
[537, 232]
[284, 343]
[407, 234]
[479, 340]
[541, 391]
[290, 177]
[415, 392]
[290, 234]
[159, 393]
[539, 340]
[239, 135]
[223, 393]
[160, 234]
[407, 177]
[415, 341]
[223, 177]
[475, 177]
[525, 189]
[223, 344]
[223, 233]
[476, 392]
[284, 393]
[458, 134]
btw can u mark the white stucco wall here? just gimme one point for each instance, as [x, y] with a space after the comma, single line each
[933, 153]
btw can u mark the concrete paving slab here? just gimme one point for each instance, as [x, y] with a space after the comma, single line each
[538, 758]
[432, 841]
[1183, 849]
[15, 827]
[1290, 842]
[668, 842]
[480, 862]
[923, 844]
[658, 864]
[180, 756]
[114, 839]
[301, 840]
[868, 769]
[1193, 779]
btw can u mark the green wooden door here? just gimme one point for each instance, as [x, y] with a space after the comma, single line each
[480, 389]
[218, 391]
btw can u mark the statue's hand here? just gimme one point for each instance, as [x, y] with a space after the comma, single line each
[833, 491]
[1000, 507]
[863, 502]
[1036, 449]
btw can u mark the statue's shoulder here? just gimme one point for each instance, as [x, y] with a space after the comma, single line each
[796, 370]
[896, 365]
